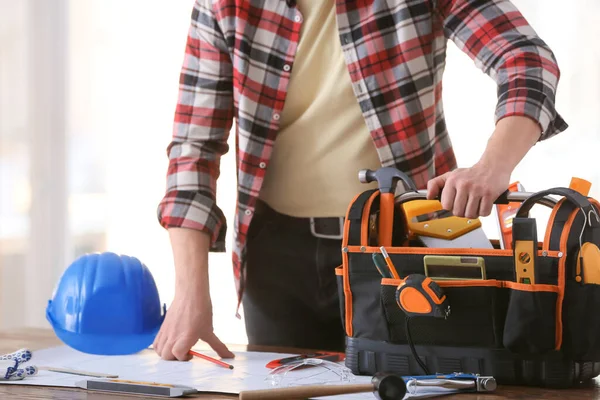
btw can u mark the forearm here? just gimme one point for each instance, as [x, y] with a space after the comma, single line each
[190, 254]
[513, 137]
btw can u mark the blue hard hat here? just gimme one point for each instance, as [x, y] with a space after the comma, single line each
[106, 304]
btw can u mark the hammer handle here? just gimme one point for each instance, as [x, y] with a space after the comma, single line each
[386, 219]
[305, 392]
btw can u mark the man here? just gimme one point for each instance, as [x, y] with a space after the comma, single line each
[320, 90]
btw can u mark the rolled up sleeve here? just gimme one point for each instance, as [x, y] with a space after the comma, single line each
[503, 45]
[203, 119]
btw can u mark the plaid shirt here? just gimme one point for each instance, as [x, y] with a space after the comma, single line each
[238, 61]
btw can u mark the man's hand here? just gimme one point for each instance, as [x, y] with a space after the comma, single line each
[471, 192]
[189, 318]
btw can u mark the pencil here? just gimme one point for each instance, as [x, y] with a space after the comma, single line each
[207, 358]
[389, 263]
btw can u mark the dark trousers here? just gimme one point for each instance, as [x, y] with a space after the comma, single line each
[290, 297]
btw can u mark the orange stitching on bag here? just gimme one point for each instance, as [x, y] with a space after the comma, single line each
[444, 251]
[474, 283]
[339, 271]
[485, 283]
[531, 288]
[465, 283]
[347, 291]
[390, 281]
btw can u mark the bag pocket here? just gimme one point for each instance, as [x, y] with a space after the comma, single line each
[530, 326]
[476, 317]
[339, 275]
[581, 321]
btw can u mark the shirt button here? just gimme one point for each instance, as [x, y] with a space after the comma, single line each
[276, 117]
[298, 18]
[248, 212]
[286, 67]
[262, 165]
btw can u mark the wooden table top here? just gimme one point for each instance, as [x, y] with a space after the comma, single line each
[36, 339]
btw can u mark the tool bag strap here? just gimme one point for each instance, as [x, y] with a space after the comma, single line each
[573, 200]
[573, 196]
[355, 214]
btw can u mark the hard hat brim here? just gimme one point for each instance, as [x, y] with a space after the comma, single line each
[106, 345]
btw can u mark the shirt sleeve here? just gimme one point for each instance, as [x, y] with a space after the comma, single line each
[203, 119]
[503, 45]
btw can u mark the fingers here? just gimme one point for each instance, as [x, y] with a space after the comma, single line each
[158, 342]
[472, 208]
[448, 196]
[181, 350]
[167, 351]
[435, 186]
[218, 346]
[486, 205]
[467, 192]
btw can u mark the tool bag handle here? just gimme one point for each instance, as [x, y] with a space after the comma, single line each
[357, 208]
[573, 196]
[504, 198]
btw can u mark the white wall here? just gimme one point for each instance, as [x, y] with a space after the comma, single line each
[124, 65]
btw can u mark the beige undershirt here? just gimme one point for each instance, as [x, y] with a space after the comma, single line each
[323, 140]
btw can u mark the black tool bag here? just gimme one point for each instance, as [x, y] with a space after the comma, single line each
[545, 334]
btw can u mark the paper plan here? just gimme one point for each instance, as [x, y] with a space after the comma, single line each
[249, 371]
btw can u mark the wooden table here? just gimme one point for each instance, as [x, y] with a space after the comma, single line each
[36, 339]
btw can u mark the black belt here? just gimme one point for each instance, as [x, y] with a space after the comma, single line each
[321, 227]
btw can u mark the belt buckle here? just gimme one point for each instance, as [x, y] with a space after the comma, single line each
[314, 232]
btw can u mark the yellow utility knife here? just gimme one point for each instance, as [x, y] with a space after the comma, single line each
[436, 227]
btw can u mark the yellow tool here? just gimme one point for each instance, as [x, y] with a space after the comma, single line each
[454, 267]
[436, 227]
[588, 264]
[525, 250]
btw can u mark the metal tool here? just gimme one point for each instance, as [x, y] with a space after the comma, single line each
[418, 387]
[387, 179]
[381, 265]
[439, 228]
[389, 263]
[385, 387]
[136, 387]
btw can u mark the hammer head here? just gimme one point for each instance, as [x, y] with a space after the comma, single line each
[387, 179]
[388, 386]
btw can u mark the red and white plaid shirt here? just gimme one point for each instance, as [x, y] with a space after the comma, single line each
[238, 61]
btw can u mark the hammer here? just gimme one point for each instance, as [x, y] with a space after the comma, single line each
[383, 386]
[387, 179]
